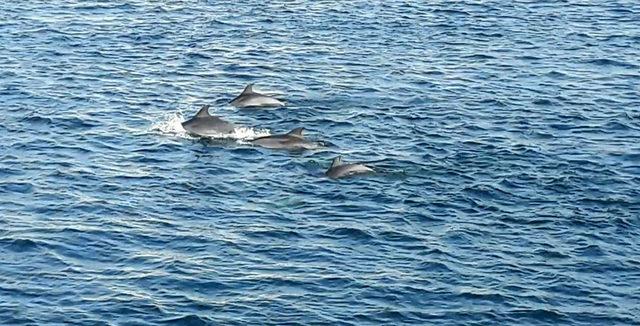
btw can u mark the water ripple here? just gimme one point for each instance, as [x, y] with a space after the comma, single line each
[504, 134]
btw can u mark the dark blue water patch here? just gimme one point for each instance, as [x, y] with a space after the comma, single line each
[538, 315]
[550, 254]
[628, 157]
[38, 120]
[16, 187]
[479, 57]
[452, 12]
[19, 244]
[529, 58]
[349, 233]
[618, 126]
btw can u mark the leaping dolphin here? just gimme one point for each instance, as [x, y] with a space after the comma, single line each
[250, 98]
[205, 125]
[339, 169]
[293, 140]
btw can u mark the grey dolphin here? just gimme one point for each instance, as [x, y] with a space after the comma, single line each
[293, 140]
[339, 169]
[205, 125]
[249, 98]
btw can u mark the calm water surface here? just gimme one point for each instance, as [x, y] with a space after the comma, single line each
[506, 136]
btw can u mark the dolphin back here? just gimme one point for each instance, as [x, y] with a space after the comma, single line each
[205, 125]
[250, 98]
[339, 169]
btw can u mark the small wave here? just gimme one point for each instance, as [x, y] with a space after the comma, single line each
[494, 102]
[472, 294]
[543, 102]
[551, 254]
[198, 55]
[528, 58]
[613, 63]
[393, 236]
[617, 126]
[188, 320]
[34, 119]
[19, 245]
[451, 12]
[538, 314]
[171, 124]
[347, 232]
[479, 57]
[275, 234]
[556, 74]
[434, 267]
[590, 251]
[17, 187]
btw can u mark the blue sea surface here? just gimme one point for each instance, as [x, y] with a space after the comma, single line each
[505, 136]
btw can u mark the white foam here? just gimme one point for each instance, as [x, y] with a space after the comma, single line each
[171, 124]
[246, 133]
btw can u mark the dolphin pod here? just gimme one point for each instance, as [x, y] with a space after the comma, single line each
[204, 124]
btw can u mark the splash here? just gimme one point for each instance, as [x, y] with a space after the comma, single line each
[171, 124]
[247, 133]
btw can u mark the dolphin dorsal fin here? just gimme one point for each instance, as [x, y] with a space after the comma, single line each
[296, 132]
[204, 112]
[336, 162]
[248, 89]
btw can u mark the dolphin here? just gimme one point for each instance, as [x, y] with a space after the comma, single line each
[249, 98]
[205, 125]
[293, 140]
[339, 169]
